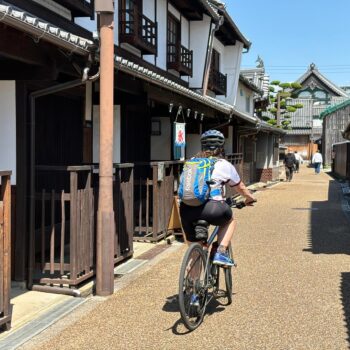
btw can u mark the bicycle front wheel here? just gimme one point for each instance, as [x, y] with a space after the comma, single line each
[192, 287]
[228, 279]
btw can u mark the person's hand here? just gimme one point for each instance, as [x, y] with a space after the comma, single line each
[250, 201]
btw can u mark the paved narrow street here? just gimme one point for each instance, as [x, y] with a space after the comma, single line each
[291, 287]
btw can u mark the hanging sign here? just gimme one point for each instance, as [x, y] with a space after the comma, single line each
[179, 140]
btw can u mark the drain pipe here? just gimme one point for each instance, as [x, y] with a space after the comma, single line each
[213, 30]
[32, 100]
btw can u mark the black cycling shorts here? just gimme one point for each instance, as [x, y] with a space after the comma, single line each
[216, 213]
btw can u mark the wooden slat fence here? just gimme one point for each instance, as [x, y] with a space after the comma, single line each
[5, 249]
[64, 226]
[65, 215]
[156, 183]
[123, 199]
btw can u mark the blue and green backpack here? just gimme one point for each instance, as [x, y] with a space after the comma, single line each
[194, 189]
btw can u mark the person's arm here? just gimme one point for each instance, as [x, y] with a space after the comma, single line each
[243, 190]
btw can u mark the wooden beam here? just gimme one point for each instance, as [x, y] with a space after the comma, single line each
[18, 46]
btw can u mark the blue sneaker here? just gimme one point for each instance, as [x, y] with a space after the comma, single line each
[194, 300]
[223, 260]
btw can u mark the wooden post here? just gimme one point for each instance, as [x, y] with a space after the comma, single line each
[105, 214]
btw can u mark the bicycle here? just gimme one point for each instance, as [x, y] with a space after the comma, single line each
[199, 276]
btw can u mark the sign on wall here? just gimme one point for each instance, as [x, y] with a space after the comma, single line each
[179, 140]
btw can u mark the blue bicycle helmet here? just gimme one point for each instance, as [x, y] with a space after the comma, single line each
[212, 139]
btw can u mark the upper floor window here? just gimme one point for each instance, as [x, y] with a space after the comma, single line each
[319, 94]
[135, 28]
[179, 58]
[217, 81]
[305, 94]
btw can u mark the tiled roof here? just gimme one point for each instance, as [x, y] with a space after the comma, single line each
[41, 29]
[250, 84]
[334, 108]
[157, 79]
[313, 70]
[299, 132]
[213, 7]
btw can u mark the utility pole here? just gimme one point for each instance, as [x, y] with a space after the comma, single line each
[105, 213]
[278, 114]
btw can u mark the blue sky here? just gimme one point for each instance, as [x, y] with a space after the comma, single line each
[290, 34]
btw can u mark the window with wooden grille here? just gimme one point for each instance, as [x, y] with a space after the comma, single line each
[217, 81]
[179, 58]
[174, 39]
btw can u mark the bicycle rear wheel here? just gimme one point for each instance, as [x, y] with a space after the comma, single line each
[192, 287]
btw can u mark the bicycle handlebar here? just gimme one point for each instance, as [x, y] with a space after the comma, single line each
[237, 204]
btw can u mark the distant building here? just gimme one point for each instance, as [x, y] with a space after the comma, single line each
[317, 93]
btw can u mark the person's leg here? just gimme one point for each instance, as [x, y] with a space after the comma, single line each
[225, 233]
[287, 173]
[318, 169]
[297, 167]
[291, 173]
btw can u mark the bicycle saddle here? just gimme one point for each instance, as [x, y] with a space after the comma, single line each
[201, 229]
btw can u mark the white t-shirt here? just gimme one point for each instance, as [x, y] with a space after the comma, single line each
[224, 172]
[317, 158]
[298, 157]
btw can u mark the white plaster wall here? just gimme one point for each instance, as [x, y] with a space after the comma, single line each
[199, 36]
[162, 33]
[8, 127]
[231, 63]
[262, 151]
[185, 32]
[161, 145]
[241, 100]
[174, 11]
[96, 134]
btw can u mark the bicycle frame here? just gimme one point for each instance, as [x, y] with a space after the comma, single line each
[208, 263]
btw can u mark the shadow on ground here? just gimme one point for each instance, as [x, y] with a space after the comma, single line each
[172, 305]
[345, 297]
[330, 234]
[329, 231]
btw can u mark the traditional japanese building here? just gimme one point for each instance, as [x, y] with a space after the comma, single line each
[174, 61]
[317, 93]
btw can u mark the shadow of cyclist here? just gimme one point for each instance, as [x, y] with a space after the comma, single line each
[172, 305]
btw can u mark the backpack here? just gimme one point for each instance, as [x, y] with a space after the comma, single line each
[194, 189]
[290, 160]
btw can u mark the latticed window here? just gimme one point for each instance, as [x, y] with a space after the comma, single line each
[173, 38]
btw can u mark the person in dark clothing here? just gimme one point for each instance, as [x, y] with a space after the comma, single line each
[289, 163]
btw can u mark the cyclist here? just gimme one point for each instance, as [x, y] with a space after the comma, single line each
[216, 211]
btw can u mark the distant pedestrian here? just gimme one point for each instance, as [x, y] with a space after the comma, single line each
[317, 161]
[289, 163]
[298, 161]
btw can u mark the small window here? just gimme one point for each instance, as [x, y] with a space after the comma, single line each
[241, 92]
[174, 38]
[320, 94]
[305, 94]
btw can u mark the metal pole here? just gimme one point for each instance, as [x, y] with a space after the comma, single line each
[105, 213]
